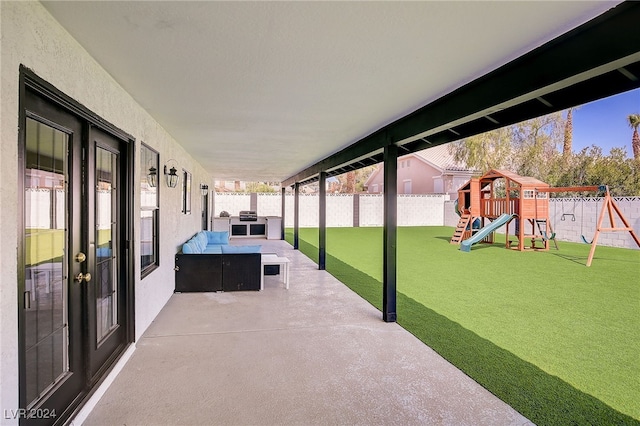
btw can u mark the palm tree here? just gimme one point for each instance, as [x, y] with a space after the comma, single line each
[634, 123]
[568, 135]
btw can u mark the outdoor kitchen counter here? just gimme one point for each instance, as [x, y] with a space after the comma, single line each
[263, 227]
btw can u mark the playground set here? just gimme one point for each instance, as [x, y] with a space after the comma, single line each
[499, 197]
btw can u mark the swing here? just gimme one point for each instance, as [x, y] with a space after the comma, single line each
[545, 237]
[543, 222]
[564, 215]
[584, 239]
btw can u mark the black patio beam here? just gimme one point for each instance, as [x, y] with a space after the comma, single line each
[390, 232]
[603, 45]
[322, 222]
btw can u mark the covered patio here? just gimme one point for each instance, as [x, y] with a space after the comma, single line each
[314, 354]
[288, 92]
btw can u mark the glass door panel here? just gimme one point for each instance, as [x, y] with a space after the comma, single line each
[46, 259]
[106, 260]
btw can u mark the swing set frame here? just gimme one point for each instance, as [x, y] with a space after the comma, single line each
[609, 206]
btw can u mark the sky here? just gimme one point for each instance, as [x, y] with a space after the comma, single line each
[604, 122]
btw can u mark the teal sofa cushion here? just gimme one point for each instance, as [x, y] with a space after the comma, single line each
[240, 249]
[196, 243]
[217, 237]
[190, 248]
[211, 242]
[213, 249]
[202, 239]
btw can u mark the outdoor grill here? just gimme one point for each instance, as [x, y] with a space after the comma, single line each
[248, 216]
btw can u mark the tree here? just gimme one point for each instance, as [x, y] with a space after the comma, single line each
[634, 123]
[528, 148]
[590, 167]
[260, 187]
[535, 145]
[567, 146]
[486, 151]
[353, 181]
[350, 186]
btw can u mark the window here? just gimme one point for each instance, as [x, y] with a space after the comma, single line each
[407, 186]
[149, 210]
[186, 192]
[438, 185]
[528, 194]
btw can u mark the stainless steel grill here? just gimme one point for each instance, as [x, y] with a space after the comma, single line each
[248, 216]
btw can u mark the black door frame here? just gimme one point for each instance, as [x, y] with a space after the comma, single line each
[98, 362]
[29, 80]
[205, 209]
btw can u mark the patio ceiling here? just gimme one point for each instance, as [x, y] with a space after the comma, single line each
[266, 90]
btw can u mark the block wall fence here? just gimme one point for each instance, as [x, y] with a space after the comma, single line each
[571, 218]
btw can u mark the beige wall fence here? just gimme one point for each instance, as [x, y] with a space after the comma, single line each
[343, 210]
[571, 218]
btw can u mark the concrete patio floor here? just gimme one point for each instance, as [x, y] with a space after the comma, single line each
[316, 354]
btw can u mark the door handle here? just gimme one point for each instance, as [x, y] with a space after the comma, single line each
[83, 277]
[81, 257]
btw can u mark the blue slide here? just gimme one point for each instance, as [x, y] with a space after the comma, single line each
[481, 234]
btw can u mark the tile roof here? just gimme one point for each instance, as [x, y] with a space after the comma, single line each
[440, 157]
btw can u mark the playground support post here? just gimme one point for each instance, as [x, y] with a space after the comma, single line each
[609, 206]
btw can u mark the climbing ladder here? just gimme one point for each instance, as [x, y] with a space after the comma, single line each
[462, 226]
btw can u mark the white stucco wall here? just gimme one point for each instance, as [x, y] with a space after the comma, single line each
[231, 202]
[30, 36]
[371, 210]
[270, 204]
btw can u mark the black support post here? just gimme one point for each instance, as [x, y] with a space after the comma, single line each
[390, 233]
[322, 225]
[283, 209]
[296, 214]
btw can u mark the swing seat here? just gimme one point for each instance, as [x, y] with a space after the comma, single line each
[584, 240]
[545, 237]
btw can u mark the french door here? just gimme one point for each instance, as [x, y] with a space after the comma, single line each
[73, 284]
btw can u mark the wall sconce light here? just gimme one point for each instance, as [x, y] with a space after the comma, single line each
[172, 175]
[204, 188]
[152, 177]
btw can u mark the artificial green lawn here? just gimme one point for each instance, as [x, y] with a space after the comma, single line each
[558, 341]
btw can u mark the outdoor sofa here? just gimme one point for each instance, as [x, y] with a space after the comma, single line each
[207, 262]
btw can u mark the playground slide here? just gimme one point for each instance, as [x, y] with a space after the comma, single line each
[481, 234]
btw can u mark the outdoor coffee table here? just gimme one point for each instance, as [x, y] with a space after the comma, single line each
[273, 259]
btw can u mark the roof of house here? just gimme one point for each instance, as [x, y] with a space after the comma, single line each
[437, 157]
[440, 158]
